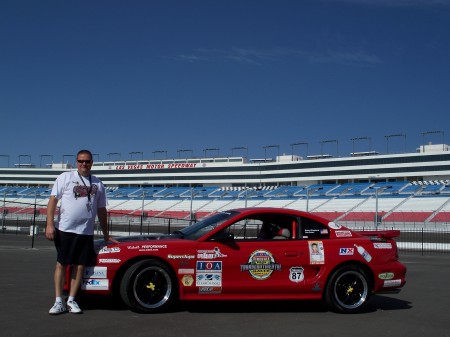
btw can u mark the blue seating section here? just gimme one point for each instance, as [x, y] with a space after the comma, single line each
[280, 192]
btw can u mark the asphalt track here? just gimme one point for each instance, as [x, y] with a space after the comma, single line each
[26, 288]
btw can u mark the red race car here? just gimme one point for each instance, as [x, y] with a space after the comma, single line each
[250, 254]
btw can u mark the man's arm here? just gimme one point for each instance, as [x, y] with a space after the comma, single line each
[103, 219]
[51, 209]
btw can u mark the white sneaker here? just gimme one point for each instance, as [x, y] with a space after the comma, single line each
[73, 307]
[58, 308]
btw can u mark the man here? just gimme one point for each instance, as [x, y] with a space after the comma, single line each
[82, 197]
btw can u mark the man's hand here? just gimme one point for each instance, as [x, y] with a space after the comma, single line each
[50, 232]
[109, 238]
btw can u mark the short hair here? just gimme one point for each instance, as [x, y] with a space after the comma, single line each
[85, 152]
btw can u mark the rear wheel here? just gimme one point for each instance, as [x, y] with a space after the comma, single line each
[348, 290]
[148, 286]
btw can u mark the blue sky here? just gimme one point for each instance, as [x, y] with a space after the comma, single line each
[170, 75]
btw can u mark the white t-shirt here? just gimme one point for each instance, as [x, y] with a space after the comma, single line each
[76, 213]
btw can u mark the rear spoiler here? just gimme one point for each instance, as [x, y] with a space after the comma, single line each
[384, 234]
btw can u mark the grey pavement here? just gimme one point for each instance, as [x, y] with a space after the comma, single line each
[26, 295]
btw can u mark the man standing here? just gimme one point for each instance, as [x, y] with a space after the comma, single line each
[82, 198]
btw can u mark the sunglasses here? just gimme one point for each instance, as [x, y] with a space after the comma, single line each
[84, 161]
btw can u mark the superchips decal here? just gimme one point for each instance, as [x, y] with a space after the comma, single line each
[296, 274]
[181, 256]
[316, 252]
[209, 274]
[261, 265]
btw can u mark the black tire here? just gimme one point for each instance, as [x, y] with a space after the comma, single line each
[348, 290]
[148, 286]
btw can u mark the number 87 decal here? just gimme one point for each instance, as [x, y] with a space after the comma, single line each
[296, 274]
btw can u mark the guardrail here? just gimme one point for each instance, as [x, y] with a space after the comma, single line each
[428, 240]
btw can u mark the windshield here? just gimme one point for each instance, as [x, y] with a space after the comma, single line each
[206, 225]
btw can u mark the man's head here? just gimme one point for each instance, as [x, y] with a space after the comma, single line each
[84, 162]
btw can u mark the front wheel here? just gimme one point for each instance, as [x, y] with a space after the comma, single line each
[148, 286]
[348, 290]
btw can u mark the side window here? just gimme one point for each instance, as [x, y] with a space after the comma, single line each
[246, 229]
[311, 229]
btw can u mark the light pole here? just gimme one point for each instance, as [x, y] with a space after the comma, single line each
[5, 155]
[210, 149]
[376, 188]
[66, 155]
[4, 211]
[246, 196]
[137, 152]
[112, 154]
[159, 151]
[24, 155]
[191, 213]
[45, 155]
[180, 151]
[269, 147]
[295, 144]
[142, 210]
[307, 196]
[360, 138]
[239, 148]
[329, 141]
[391, 136]
[432, 132]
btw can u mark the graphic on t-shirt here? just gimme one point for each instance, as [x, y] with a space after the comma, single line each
[82, 191]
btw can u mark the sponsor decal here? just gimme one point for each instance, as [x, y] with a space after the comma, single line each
[147, 248]
[109, 260]
[94, 284]
[392, 283]
[316, 252]
[343, 234]
[261, 264]
[209, 290]
[210, 254]
[386, 276]
[182, 256]
[107, 250]
[186, 271]
[296, 274]
[364, 253]
[209, 274]
[95, 272]
[346, 251]
[334, 225]
[382, 245]
[187, 280]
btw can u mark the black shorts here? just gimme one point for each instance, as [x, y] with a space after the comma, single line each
[74, 249]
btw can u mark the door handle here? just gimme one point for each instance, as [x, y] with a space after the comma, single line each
[291, 254]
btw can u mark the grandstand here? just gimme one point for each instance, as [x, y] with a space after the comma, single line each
[333, 202]
[400, 189]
